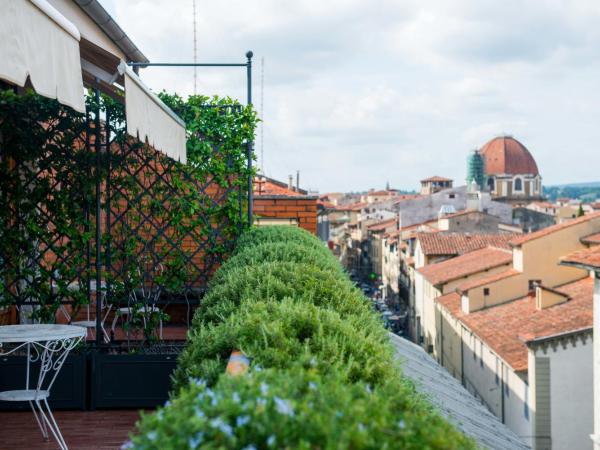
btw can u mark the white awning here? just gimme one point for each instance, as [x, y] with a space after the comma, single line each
[39, 42]
[148, 117]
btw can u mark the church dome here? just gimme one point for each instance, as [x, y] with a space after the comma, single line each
[506, 155]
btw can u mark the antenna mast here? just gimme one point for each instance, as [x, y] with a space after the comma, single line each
[195, 48]
[262, 114]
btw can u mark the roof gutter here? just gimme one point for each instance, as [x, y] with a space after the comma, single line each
[107, 24]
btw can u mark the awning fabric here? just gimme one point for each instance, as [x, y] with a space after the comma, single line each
[149, 117]
[39, 42]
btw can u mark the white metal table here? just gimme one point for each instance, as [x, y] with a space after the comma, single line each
[49, 346]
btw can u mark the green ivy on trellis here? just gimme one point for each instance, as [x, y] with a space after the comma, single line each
[48, 179]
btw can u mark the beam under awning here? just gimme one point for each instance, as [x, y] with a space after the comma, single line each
[149, 118]
[38, 42]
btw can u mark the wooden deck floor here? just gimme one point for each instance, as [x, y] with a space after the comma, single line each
[82, 430]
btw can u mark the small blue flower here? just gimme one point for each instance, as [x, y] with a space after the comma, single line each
[261, 402]
[312, 385]
[258, 369]
[235, 397]
[361, 427]
[283, 406]
[240, 421]
[195, 441]
[222, 426]
[271, 441]
[151, 435]
[199, 413]
[368, 389]
[249, 447]
[167, 403]
[264, 389]
[127, 445]
[401, 424]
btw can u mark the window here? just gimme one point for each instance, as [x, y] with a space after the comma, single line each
[486, 291]
[491, 183]
[451, 195]
[518, 184]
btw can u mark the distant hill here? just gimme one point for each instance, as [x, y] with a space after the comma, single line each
[586, 192]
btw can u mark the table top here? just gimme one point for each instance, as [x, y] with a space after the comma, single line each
[39, 333]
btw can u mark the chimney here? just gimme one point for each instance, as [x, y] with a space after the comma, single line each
[547, 297]
[297, 181]
[290, 182]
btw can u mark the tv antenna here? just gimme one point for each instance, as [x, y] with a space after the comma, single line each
[195, 47]
[262, 115]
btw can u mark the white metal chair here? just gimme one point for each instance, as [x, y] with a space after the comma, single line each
[90, 324]
[148, 297]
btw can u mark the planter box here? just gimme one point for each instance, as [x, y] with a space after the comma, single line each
[131, 381]
[68, 391]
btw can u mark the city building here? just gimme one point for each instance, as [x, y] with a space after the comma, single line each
[589, 259]
[511, 172]
[515, 336]
[278, 203]
[435, 184]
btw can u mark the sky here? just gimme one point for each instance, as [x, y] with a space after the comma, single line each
[358, 93]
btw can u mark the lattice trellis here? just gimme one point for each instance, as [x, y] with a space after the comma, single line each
[83, 202]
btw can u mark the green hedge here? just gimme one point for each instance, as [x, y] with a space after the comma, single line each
[278, 252]
[266, 235]
[322, 375]
[278, 280]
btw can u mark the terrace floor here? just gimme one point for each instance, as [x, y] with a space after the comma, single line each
[82, 430]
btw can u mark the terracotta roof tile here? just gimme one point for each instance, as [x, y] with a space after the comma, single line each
[383, 225]
[467, 264]
[383, 193]
[506, 155]
[267, 187]
[452, 303]
[472, 284]
[444, 243]
[591, 239]
[554, 228]
[505, 328]
[403, 197]
[588, 258]
[435, 178]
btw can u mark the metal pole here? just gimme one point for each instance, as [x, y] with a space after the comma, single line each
[97, 145]
[143, 65]
[249, 55]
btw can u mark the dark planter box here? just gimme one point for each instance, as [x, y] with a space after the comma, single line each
[68, 391]
[131, 381]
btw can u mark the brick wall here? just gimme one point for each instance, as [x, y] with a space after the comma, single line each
[301, 208]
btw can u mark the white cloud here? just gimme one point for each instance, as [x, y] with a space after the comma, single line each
[359, 92]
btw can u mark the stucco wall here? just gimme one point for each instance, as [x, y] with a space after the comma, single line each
[571, 391]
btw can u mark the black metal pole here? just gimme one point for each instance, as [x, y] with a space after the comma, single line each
[97, 145]
[142, 65]
[249, 55]
[248, 65]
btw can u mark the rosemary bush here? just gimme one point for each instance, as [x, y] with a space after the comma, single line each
[322, 372]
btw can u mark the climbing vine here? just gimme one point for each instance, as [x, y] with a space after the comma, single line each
[164, 226]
